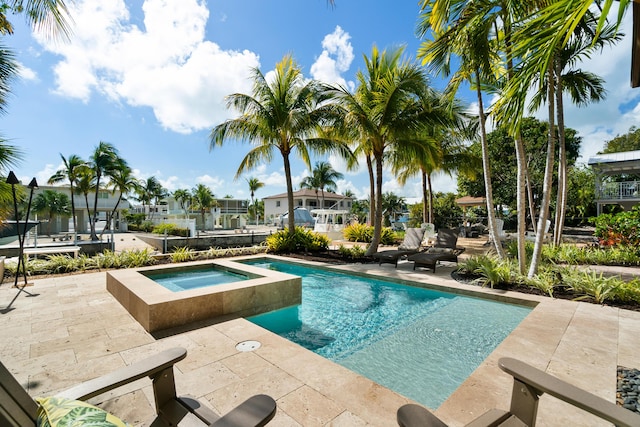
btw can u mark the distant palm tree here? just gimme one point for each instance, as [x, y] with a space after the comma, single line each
[103, 162]
[326, 178]
[312, 182]
[183, 197]
[151, 191]
[70, 172]
[281, 116]
[52, 203]
[254, 185]
[204, 199]
[123, 182]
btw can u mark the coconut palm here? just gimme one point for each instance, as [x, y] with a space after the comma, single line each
[583, 87]
[254, 185]
[478, 64]
[326, 177]
[183, 197]
[70, 172]
[385, 114]
[103, 161]
[282, 115]
[150, 192]
[121, 180]
[49, 17]
[52, 203]
[204, 199]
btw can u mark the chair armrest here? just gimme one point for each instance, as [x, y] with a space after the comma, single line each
[545, 383]
[412, 415]
[254, 412]
[458, 250]
[149, 367]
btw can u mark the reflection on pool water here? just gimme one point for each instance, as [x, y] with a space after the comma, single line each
[183, 280]
[420, 343]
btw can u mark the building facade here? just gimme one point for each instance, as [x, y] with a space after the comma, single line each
[617, 179]
[277, 205]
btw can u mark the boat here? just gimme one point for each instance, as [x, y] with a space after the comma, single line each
[9, 230]
[330, 222]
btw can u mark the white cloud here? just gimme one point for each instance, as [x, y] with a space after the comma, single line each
[335, 59]
[167, 65]
[216, 184]
[27, 73]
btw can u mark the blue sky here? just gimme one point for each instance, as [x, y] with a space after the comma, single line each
[150, 77]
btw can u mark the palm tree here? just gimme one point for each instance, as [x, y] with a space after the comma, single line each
[582, 86]
[71, 173]
[281, 116]
[103, 161]
[52, 203]
[326, 178]
[204, 199]
[384, 114]
[8, 71]
[183, 197]
[151, 190]
[50, 17]
[312, 182]
[470, 44]
[254, 185]
[85, 183]
[123, 182]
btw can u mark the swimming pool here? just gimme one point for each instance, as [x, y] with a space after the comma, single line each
[183, 280]
[420, 343]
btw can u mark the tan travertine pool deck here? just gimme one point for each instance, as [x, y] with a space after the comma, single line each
[158, 308]
[74, 329]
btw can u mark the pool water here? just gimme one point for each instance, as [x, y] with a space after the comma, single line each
[420, 343]
[177, 281]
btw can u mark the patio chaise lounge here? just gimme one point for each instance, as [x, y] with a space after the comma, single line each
[410, 245]
[18, 409]
[529, 384]
[445, 249]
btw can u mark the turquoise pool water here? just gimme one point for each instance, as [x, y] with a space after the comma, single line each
[420, 343]
[183, 280]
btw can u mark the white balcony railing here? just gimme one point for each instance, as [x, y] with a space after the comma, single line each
[619, 190]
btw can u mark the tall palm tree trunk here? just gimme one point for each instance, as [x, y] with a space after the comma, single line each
[377, 224]
[521, 202]
[430, 196]
[548, 176]
[561, 199]
[486, 169]
[372, 192]
[73, 209]
[287, 174]
[425, 201]
[92, 220]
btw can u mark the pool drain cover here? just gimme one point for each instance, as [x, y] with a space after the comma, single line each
[248, 345]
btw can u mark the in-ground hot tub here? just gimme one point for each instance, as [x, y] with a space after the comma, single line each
[155, 307]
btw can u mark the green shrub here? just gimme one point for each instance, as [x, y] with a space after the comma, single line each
[354, 252]
[489, 270]
[171, 230]
[301, 240]
[182, 254]
[364, 233]
[622, 228]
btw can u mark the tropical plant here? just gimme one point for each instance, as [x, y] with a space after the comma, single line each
[254, 185]
[364, 233]
[103, 161]
[52, 203]
[182, 254]
[466, 37]
[619, 229]
[151, 191]
[123, 182]
[324, 177]
[391, 104]
[282, 115]
[203, 199]
[301, 240]
[70, 172]
[184, 198]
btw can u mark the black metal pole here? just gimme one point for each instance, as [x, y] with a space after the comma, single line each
[32, 185]
[12, 179]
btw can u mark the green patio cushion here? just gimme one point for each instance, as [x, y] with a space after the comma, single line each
[62, 412]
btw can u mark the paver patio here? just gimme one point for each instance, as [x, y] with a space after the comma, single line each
[74, 330]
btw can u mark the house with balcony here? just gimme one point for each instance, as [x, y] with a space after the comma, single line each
[276, 205]
[617, 179]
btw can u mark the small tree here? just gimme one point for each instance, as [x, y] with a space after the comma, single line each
[51, 203]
